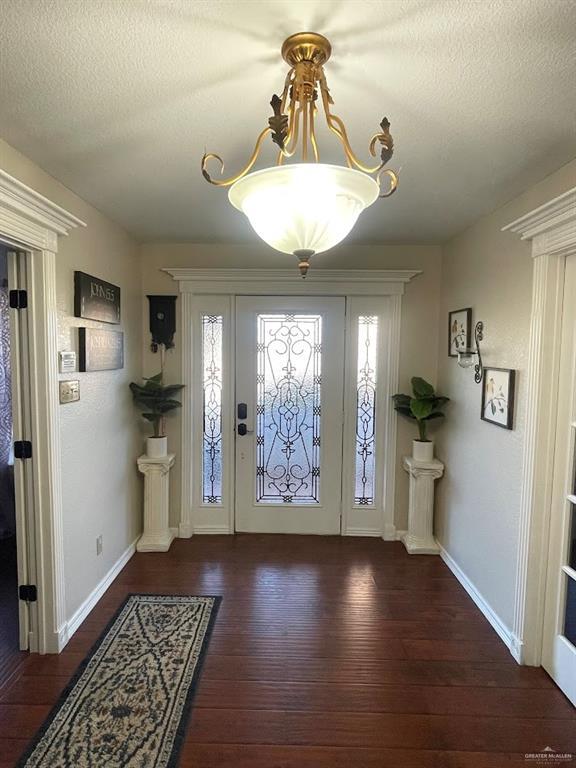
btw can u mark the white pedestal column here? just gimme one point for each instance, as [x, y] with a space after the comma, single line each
[157, 535]
[420, 536]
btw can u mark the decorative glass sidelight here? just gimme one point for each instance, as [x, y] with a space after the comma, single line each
[212, 409]
[288, 409]
[366, 409]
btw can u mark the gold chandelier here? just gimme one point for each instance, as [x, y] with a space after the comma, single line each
[307, 207]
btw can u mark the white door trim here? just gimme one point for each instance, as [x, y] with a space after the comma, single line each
[31, 222]
[281, 282]
[287, 282]
[552, 230]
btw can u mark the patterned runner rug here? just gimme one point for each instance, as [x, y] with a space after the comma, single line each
[129, 702]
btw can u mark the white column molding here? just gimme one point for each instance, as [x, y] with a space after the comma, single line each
[552, 230]
[389, 525]
[32, 223]
[157, 535]
[185, 526]
[419, 538]
[43, 339]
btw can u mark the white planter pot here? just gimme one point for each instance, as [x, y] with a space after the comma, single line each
[423, 451]
[156, 447]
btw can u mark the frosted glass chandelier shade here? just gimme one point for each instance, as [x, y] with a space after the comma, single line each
[303, 207]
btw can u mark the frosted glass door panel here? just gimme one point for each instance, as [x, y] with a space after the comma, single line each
[289, 374]
[288, 408]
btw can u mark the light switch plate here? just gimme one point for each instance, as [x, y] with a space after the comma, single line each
[69, 391]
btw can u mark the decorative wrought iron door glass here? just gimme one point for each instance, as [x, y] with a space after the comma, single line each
[366, 409]
[212, 409]
[288, 410]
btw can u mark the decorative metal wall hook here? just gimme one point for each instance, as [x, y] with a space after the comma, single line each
[469, 356]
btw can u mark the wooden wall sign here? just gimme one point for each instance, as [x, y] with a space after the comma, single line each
[95, 299]
[100, 349]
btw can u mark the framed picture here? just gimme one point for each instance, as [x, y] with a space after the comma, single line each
[100, 349]
[459, 330]
[498, 396]
[96, 299]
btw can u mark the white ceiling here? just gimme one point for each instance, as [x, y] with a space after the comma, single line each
[118, 99]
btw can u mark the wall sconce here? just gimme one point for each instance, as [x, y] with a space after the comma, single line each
[469, 356]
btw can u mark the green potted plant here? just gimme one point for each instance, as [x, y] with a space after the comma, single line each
[422, 406]
[156, 399]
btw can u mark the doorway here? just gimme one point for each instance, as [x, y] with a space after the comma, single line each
[559, 641]
[9, 637]
[292, 422]
[17, 618]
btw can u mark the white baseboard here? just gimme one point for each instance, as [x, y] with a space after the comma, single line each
[500, 628]
[399, 536]
[517, 648]
[185, 530]
[94, 596]
[363, 532]
[390, 532]
[212, 529]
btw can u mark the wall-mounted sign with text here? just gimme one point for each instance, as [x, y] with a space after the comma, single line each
[95, 299]
[100, 349]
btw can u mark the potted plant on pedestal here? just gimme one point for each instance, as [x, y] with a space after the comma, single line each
[422, 406]
[156, 400]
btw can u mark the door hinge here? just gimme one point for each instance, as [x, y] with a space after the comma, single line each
[18, 299]
[28, 592]
[22, 449]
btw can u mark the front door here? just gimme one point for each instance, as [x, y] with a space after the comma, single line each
[289, 414]
[559, 650]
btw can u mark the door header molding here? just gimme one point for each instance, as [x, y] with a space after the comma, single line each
[551, 227]
[30, 218]
[324, 282]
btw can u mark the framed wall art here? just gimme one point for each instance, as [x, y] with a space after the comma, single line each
[95, 299]
[459, 330]
[100, 349]
[498, 396]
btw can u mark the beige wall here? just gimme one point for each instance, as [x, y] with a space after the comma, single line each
[419, 316]
[100, 435]
[479, 498]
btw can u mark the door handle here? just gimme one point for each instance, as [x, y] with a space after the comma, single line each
[243, 430]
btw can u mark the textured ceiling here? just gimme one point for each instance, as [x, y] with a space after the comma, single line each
[118, 99]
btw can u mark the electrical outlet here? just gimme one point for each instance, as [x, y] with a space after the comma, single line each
[99, 545]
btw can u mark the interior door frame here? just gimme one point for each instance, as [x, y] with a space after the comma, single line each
[194, 283]
[551, 229]
[21, 429]
[557, 650]
[31, 223]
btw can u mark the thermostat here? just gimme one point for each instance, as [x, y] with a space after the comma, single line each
[67, 362]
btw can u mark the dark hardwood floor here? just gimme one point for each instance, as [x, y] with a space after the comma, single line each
[327, 652]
